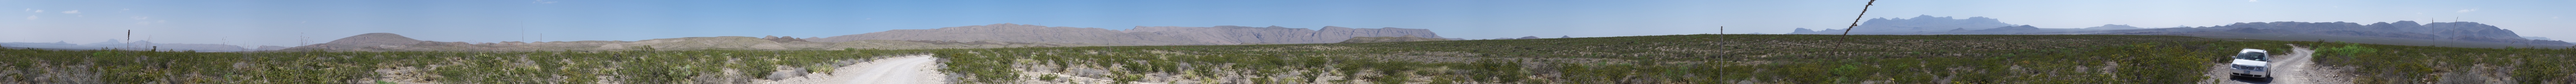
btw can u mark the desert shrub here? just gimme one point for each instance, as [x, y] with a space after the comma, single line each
[2349, 50]
[1046, 78]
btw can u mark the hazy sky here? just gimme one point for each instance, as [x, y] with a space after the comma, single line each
[280, 22]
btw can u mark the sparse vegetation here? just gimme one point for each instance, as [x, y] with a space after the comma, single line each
[1698, 59]
[315, 67]
[1689, 59]
[1665, 59]
[2423, 64]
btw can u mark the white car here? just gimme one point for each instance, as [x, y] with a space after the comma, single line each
[2251, 63]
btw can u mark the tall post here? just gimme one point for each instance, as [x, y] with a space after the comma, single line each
[1864, 11]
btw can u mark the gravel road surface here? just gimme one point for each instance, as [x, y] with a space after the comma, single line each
[2290, 68]
[916, 69]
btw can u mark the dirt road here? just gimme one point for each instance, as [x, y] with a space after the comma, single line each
[2289, 68]
[916, 69]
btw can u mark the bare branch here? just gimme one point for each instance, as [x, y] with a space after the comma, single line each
[1864, 11]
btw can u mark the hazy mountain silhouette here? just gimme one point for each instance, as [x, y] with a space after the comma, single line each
[393, 42]
[2454, 31]
[2113, 27]
[1389, 39]
[2381, 31]
[369, 41]
[268, 48]
[2010, 28]
[1912, 26]
[1141, 35]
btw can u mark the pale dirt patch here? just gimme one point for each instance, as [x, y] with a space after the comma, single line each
[915, 69]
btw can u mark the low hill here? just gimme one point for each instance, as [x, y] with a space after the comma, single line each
[1389, 39]
[268, 48]
[365, 42]
[2113, 27]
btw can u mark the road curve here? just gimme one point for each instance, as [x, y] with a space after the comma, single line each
[2289, 68]
[914, 69]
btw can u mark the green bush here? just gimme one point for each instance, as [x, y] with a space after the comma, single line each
[2349, 50]
[1046, 77]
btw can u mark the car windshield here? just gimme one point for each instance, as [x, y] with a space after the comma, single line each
[2256, 56]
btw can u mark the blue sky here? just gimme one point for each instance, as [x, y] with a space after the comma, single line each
[280, 22]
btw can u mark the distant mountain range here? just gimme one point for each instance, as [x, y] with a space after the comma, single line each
[1389, 39]
[395, 42]
[1917, 24]
[1928, 25]
[979, 36]
[2400, 30]
[1141, 35]
[2427, 33]
[1536, 37]
[2113, 27]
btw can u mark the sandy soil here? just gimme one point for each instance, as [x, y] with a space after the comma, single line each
[2292, 68]
[916, 69]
